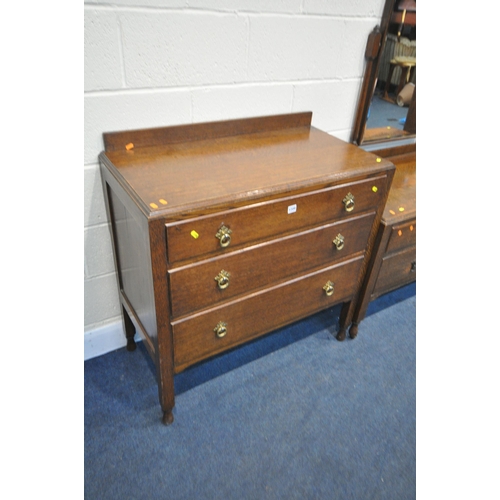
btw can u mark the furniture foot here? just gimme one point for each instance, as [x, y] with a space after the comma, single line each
[353, 331]
[341, 335]
[131, 345]
[168, 417]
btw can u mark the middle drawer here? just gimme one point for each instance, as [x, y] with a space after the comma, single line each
[214, 280]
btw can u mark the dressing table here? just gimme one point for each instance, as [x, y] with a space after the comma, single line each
[393, 260]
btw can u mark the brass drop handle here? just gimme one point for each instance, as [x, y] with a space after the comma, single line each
[413, 268]
[328, 288]
[339, 242]
[224, 235]
[349, 202]
[221, 329]
[223, 279]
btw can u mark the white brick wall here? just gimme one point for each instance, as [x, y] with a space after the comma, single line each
[152, 63]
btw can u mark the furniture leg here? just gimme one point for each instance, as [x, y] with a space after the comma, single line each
[412, 73]
[353, 331]
[392, 67]
[346, 316]
[168, 417]
[166, 392]
[344, 313]
[129, 330]
[405, 73]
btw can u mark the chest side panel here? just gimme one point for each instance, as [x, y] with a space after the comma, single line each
[130, 240]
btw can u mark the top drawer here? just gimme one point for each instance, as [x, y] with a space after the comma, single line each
[402, 236]
[223, 231]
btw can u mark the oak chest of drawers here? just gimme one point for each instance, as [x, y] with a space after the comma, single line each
[393, 262]
[226, 231]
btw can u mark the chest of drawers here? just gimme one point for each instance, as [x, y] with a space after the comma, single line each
[226, 231]
[394, 257]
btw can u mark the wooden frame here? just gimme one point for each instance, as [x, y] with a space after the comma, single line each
[373, 55]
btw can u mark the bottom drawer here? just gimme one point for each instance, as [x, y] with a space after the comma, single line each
[195, 337]
[397, 269]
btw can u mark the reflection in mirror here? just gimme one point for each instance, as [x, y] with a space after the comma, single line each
[387, 107]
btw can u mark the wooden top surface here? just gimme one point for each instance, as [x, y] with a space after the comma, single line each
[402, 200]
[180, 176]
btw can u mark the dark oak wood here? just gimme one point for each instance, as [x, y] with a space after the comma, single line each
[134, 139]
[298, 244]
[194, 286]
[372, 57]
[261, 221]
[236, 169]
[129, 330]
[376, 40]
[384, 134]
[393, 262]
[411, 118]
[262, 312]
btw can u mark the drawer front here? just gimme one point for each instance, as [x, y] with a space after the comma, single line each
[397, 269]
[197, 237]
[195, 286]
[195, 337]
[402, 236]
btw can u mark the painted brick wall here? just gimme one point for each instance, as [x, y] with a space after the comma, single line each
[152, 63]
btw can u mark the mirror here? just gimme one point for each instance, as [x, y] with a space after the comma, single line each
[387, 105]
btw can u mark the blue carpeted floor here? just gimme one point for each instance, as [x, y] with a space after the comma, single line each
[385, 114]
[296, 414]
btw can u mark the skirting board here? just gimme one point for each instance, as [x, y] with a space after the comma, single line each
[104, 339]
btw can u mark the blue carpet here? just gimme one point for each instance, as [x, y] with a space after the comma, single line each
[296, 414]
[385, 114]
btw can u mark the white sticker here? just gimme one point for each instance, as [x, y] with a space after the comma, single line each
[292, 209]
